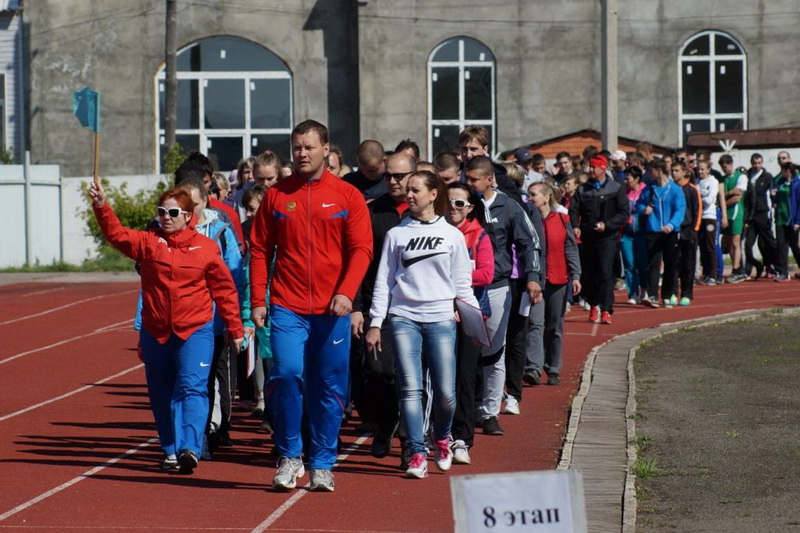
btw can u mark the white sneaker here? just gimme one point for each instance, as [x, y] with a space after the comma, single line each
[289, 469]
[418, 466]
[442, 454]
[512, 406]
[460, 452]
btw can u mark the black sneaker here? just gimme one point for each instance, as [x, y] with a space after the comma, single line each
[532, 377]
[553, 379]
[187, 462]
[381, 446]
[492, 427]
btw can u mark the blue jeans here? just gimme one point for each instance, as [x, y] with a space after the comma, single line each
[634, 259]
[177, 384]
[436, 342]
[310, 359]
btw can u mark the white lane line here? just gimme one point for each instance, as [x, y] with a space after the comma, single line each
[53, 310]
[104, 329]
[271, 519]
[74, 480]
[68, 394]
[595, 327]
[41, 292]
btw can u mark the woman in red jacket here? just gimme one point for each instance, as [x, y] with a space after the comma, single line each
[181, 272]
[563, 267]
[466, 212]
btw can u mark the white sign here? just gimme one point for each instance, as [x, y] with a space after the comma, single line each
[547, 501]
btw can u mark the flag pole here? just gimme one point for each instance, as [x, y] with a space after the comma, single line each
[96, 170]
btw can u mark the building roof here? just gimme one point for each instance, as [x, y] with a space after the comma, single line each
[764, 138]
[576, 141]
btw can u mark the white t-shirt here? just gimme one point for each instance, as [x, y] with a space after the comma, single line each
[709, 191]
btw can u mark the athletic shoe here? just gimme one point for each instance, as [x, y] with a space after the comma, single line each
[736, 277]
[381, 445]
[781, 277]
[187, 462]
[460, 452]
[648, 302]
[418, 466]
[673, 300]
[289, 469]
[594, 314]
[720, 280]
[701, 281]
[532, 377]
[512, 406]
[405, 457]
[492, 427]
[266, 426]
[321, 480]
[170, 462]
[684, 301]
[443, 454]
[619, 285]
[633, 300]
[605, 317]
[667, 304]
[553, 379]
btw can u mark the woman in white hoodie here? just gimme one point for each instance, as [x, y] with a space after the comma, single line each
[424, 267]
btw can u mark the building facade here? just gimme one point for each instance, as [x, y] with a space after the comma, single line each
[526, 69]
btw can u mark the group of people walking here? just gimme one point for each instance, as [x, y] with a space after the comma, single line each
[423, 294]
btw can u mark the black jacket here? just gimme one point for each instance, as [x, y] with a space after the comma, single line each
[757, 200]
[607, 204]
[384, 217]
[510, 224]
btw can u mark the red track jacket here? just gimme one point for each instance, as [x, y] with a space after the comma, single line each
[181, 273]
[320, 233]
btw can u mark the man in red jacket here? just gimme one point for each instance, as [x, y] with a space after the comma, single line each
[317, 227]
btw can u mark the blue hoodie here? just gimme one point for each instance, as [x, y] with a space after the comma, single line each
[669, 206]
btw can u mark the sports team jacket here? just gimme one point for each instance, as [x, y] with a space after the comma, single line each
[594, 202]
[181, 273]
[320, 232]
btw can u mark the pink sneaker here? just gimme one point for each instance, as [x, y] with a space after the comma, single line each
[418, 466]
[443, 454]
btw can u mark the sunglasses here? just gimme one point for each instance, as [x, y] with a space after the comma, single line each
[460, 204]
[172, 212]
[397, 176]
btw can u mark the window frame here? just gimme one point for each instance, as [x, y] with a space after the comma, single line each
[462, 65]
[712, 58]
[247, 133]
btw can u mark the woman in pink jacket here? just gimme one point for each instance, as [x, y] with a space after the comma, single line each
[466, 212]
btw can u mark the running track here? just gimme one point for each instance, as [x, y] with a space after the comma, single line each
[77, 451]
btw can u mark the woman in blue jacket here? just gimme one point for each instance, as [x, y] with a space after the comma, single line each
[664, 205]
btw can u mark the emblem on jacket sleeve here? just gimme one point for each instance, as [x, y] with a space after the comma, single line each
[291, 206]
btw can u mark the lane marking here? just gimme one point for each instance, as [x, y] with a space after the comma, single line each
[271, 519]
[41, 292]
[68, 394]
[53, 310]
[595, 327]
[75, 480]
[98, 331]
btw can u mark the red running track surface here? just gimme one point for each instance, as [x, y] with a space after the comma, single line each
[78, 450]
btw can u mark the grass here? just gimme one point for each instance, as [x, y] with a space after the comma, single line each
[646, 468]
[643, 442]
[732, 433]
[104, 263]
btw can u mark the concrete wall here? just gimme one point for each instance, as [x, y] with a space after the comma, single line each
[10, 66]
[548, 57]
[117, 47]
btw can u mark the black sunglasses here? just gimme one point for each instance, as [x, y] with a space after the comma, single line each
[397, 176]
[173, 212]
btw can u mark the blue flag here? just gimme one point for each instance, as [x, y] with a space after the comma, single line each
[86, 106]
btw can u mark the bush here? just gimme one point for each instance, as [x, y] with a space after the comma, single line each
[133, 211]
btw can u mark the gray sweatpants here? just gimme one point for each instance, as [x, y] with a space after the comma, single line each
[544, 348]
[494, 364]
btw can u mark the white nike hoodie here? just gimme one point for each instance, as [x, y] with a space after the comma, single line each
[424, 266]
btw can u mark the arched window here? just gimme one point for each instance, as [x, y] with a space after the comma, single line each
[461, 91]
[713, 84]
[234, 100]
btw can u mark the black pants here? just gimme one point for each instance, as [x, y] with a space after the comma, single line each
[661, 246]
[687, 263]
[708, 246]
[759, 227]
[597, 260]
[516, 336]
[220, 376]
[468, 373]
[381, 405]
[787, 240]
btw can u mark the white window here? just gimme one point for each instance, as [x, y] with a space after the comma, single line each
[461, 92]
[234, 100]
[713, 84]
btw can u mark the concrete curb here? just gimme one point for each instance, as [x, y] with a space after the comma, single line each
[598, 482]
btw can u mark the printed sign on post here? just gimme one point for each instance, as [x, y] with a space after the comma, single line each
[545, 501]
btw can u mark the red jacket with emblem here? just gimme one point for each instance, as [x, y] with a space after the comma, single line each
[181, 273]
[320, 234]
